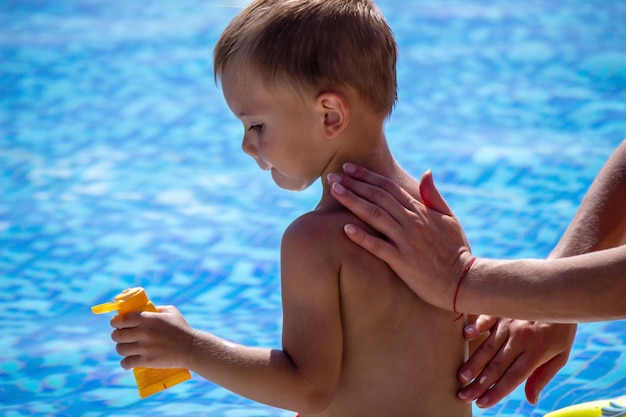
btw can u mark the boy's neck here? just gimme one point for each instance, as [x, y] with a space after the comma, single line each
[362, 144]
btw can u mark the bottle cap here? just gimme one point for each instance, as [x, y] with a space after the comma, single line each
[130, 299]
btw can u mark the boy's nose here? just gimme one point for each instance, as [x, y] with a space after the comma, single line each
[249, 147]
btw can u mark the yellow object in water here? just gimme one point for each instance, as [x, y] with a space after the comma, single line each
[601, 408]
[149, 381]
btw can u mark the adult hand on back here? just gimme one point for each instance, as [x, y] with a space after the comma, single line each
[414, 245]
[513, 352]
[426, 246]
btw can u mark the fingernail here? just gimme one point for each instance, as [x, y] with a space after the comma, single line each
[338, 188]
[349, 229]
[463, 395]
[332, 177]
[470, 329]
[349, 168]
[466, 375]
[483, 401]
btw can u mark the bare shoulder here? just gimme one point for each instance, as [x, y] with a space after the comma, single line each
[317, 224]
[317, 238]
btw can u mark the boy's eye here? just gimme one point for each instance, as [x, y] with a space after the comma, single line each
[257, 128]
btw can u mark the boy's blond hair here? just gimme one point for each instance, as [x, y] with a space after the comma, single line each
[314, 46]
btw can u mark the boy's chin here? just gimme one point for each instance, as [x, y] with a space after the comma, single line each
[289, 184]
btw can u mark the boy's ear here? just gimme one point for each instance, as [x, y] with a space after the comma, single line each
[336, 113]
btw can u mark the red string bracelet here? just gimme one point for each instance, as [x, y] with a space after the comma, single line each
[458, 286]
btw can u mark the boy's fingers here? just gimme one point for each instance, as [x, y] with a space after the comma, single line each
[131, 362]
[127, 349]
[126, 320]
[166, 309]
[126, 335]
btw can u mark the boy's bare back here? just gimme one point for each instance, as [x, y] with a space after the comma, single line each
[312, 82]
[398, 356]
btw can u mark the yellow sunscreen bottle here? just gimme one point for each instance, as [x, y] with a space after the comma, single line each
[149, 380]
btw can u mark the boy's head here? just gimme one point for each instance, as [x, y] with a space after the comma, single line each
[313, 46]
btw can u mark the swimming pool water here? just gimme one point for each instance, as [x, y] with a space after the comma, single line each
[121, 166]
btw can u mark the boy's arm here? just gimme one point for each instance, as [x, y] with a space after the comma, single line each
[312, 326]
[302, 376]
[165, 340]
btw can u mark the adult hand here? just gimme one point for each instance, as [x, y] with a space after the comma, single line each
[514, 351]
[424, 243]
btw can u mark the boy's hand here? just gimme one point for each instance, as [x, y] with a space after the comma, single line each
[514, 351]
[153, 340]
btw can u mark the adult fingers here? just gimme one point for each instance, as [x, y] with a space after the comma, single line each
[503, 383]
[538, 380]
[431, 196]
[481, 325]
[397, 249]
[485, 365]
[522, 369]
[531, 350]
[377, 246]
[366, 181]
[382, 210]
[375, 215]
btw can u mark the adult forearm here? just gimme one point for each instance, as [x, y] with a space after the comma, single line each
[574, 288]
[588, 287]
[600, 221]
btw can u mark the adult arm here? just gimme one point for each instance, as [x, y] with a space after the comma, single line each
[428, 250]
[598, 224]
[588, 287]
[600, 221]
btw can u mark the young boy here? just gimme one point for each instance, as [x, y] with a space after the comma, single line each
[313, 82]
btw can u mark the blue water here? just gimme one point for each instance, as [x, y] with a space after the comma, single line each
[120, 166]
